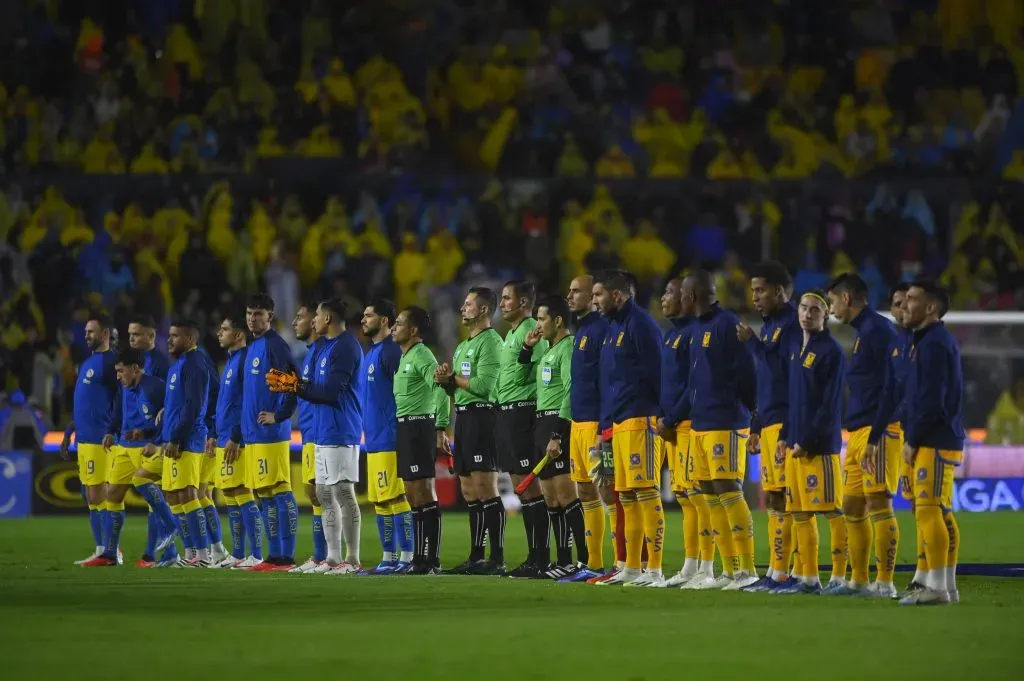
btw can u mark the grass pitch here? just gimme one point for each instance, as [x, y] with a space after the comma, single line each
[58, 621]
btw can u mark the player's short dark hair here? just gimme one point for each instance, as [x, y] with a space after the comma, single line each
[186, 324]
[336, 307]
[102, 319]
[308, 304]
[487, 296]
[774, 273]
[419, 318]
[557, 307]
[146, 321]
[901, 287]
[522, 288]
[935, 293]
[850, 284]
[384, 308]
[130, 357]
[260, 301]
[236, 321]
[616, 280]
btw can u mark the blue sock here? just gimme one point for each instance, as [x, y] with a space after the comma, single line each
[213, 523]
[252, 521]
[288, 521]
[403, 532]
[386, 533]
[114, 522]
[105, 524]
[152, 532]
[319, 540]
[186, 534]
[197, 528]
[155, 498]
[96, 524]
[270, 526]
[237, 534]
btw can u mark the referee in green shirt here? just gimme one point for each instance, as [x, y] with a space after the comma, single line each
[423, 417]
[472, 379]
[551, 433]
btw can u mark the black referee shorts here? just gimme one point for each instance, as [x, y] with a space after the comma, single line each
[548, 422]
[474, 439]
[416, 442]
[514, 428]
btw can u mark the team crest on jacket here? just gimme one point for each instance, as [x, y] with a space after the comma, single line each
[809, 360]
[775, 335]
[583, 342]
[89, 373]
[369, 370]
[618, 341]
[174, 377]
[229, 374]
[705, 341]
[856, 346]
[675, 343]
[323, 363]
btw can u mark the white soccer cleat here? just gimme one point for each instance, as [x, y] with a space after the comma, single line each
[721, 581]
[248, 562]
[226, 563]
[680, 578]
[305, 567]
[622, 577]
[218, 554]
[322, 568]
[344, 568]
[650, 578]
[954, 595]
[700, 583]
[927, 596]
[881, 590]
[837, 583]
[95, 554]
[740, 580]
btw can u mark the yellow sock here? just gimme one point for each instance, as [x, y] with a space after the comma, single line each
[807, 539]
[613, 522]
[953, 530]
[922, 564]
[722, 532]
[774, 533]
[382, 509]
[280, 488]
[244, 498]
[887, 540]
[318, 510]
[838, 543]
[175, 509]
[936, 536]
[191, 505]
[798, 559]
[705, 540]
[741, 524]
[400, 506]
[103, 506]
[859, 533]
[206, 502]
[229, 501]
[97, 507]
[634, 530]
[691, 536]
[784, 545]
[115, 505]
[593, 519]
[652, 517]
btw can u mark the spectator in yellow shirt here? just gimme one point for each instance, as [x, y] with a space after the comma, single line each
[149, 162]
[647, 255]
[614, 164]
[725, 166]
[410, 272]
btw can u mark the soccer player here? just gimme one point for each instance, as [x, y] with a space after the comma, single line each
[585, 407]
[934, 431]
[814, 427]
[234, 462]
[724, 385]
[635, 382]
[473, 381]
[267, 433]
[674, 427]
[141, 399]
[142, 337]
[771, 286]
[334, 389]
[422, 410]
[184, 437]
[516, 395]
[385, 488]
[305, 331]
[208, 472]
[866, 496]
[94, 404]
[552, 431]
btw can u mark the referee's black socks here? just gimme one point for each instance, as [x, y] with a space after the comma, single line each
[538, 531]
[563, 546]
[578, 528]
[477, 530]
[428, 532]
[494, 518]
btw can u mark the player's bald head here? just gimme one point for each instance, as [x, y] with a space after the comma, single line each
[700, 285]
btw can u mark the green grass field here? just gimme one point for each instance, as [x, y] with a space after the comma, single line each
[60, 621]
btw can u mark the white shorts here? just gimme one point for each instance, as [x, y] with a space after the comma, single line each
[336, 463]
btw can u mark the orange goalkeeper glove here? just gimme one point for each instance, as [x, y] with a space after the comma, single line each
[282, 382]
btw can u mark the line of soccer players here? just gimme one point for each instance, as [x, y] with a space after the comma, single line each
[619, 395]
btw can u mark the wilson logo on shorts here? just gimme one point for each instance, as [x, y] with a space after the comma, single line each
[478, 458]
[634, 459]
[414, 469]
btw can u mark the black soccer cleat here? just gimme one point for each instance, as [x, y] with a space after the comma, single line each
[463, 567]
[543, 570]
[559, 572]
[488, 568]
[912, 588]
[425, 569]
[526, 570]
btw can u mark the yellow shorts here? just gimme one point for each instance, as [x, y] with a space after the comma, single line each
[208, 470]
[638, 454]
[856, 482]
[231, 475]
[183, 472]
[582, 436]
[813, 484]
[906, 479]
[93, 464]
[121, 468]
[721, 454]
[154, 465]
[270, 465]
[773, 467]
[309, 463]
[933, 476]
[382, 481]
[676, 454]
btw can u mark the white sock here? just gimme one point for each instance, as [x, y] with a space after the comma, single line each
[351, 520]
[620, 565]
[950, 577]
[706, 568]
[770, 573]
[811, 580]
[190, 554]
[99, 550]
[937, 579]
[656, 573]
[389, 557]
[331, 521]
[918, 577]
[689, 566]
[220, 548]
[405, 556]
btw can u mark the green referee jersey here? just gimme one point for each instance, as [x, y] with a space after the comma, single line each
[554, 378]
[416, 394]
[477, 359]
[516, 382]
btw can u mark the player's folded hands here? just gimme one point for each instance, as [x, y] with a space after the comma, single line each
[282, 382]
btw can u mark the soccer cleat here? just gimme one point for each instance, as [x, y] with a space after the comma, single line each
[603, 578]
[146, 562]
[344, 568]
[701, 583]
[913, 587]
[927, 596]
[722, 581]
[463, 567]
[402, 567]
[543, 570]
[851, 589]
[584, 574]
[525, 570]
[954, 595]
[679, 578]
[218, 554]
[305, 567]
[227, 563]
[165, 540]
[800, 588]
[560, 572]
[741, 579]
[283, 565]
[425, 569]
[766, 583]
[880, 590]
[101, 560]
[198, 562]
[489, 568]
[180, 562]
[783, 586]
[622, 577]
[649, 578]
[248, 563]
[95, 554]
[385, 567]
[322, 568]
[262, 566]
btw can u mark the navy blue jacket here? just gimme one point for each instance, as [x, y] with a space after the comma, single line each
[96, 392]
[606, 364]
[307, 410]
[157, 364]
[865, 375]
[585, 391]
[890, 408]
[814, 418]
[723, 381]
[675, 371]
[380, 420]
[269, 351]
[138, 409]
[229, 400]
[335, 390]
[185, 402]
[780, 337]
[934, 391]
[212, 397]
[635, 375]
